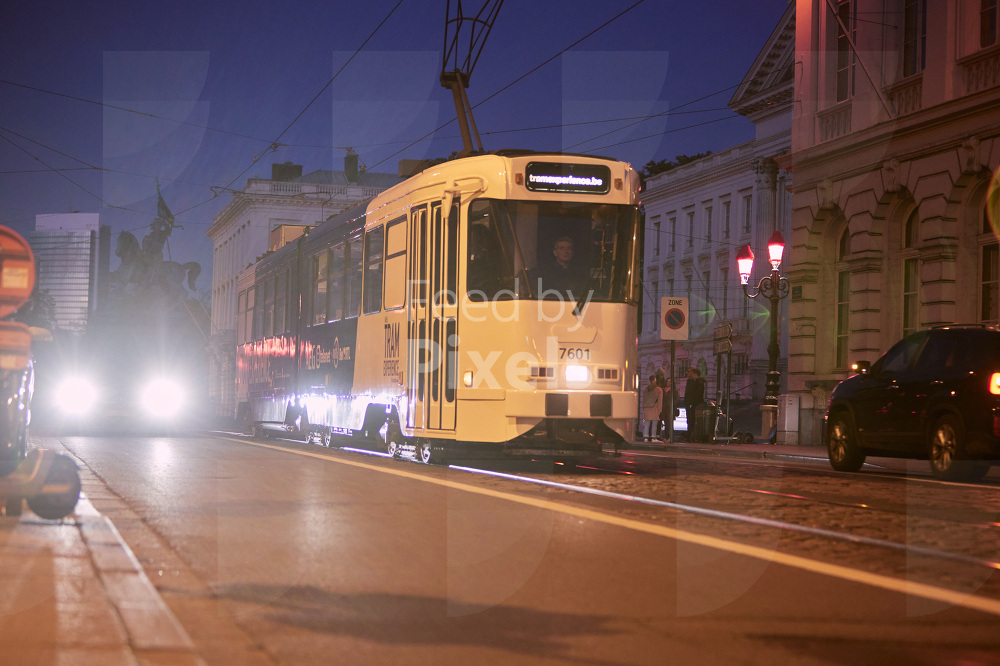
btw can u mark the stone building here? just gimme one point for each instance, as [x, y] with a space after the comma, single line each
[895, 147]
[699, 214]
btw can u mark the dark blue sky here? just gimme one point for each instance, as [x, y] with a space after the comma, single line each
[238, 76]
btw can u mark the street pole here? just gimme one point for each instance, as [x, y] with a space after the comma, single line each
[773, 287]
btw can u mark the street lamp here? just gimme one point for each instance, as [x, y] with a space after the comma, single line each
[773, 287]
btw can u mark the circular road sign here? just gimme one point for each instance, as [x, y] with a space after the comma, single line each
[674, 318]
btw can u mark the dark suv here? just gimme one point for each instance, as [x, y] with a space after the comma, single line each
[934, 395]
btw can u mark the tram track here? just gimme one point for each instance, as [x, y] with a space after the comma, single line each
[915, 535]
[912, 538]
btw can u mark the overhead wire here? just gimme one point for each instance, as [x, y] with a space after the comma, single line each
[518, 79]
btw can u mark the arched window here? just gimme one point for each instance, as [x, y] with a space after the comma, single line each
[911, 230]
[843, 295]
[844, 248]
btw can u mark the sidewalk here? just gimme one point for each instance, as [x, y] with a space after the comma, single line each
[72, 592]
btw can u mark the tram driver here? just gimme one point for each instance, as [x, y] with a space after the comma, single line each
[563, 274]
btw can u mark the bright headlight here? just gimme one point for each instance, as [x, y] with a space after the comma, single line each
[162, 398]
[76, 395]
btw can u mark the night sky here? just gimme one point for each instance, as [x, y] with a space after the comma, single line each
[99, 100]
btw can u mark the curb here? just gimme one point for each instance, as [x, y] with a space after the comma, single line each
[150, 625]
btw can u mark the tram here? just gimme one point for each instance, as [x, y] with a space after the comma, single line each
[486, 306]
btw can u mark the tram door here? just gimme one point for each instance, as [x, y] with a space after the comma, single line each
[432, 318]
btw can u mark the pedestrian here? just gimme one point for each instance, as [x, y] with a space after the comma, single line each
[667, 408]
[652, 399]
[694, 399]
[661, 381]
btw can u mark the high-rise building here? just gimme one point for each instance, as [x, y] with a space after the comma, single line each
[72, 257]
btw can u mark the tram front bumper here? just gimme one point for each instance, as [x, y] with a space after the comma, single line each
[571, 404]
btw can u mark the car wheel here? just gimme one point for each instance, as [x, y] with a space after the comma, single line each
[842, 444]
[947, 452]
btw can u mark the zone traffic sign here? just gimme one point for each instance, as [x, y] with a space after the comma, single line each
[674, 319]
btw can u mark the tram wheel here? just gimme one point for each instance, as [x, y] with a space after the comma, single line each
[425, 452]
[429, 454]
[394, 441]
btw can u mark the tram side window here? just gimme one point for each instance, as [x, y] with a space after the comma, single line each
[319, 284]
[268, 309]
[452, 273]
[374, 243]
[248, 329]
[355, 273]
[241, 318]
[395, 264]
[337, 283]
[280, 292]
[258, 316]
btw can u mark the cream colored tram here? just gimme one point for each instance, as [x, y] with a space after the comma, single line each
[485, 306]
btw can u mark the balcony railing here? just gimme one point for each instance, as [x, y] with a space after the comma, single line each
[981, 70]
[906, 96]
[835, 121]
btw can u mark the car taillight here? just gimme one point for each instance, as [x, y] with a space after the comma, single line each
[995, 383]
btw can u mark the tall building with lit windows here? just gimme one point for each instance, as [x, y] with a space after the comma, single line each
[72, 257]
[895, 150]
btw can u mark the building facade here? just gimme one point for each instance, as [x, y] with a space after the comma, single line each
[263, 216]
[72, 257]
[895, 149]
[699, 214]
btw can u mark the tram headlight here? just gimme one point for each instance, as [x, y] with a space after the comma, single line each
[76, 395]
[576, 373]
[467, 379]
[162, 397]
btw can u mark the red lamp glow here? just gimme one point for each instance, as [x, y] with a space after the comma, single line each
[744, 260]
[775, 248]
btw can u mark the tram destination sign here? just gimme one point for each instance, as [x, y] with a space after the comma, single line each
[575, 178]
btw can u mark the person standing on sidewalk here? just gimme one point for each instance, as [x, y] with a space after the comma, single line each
[694, 398]
[652, 400]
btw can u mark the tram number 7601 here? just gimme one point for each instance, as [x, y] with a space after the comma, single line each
[574, 353]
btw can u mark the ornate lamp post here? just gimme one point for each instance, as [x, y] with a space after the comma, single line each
[773, 287]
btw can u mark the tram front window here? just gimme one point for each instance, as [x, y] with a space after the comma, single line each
[552, 250]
